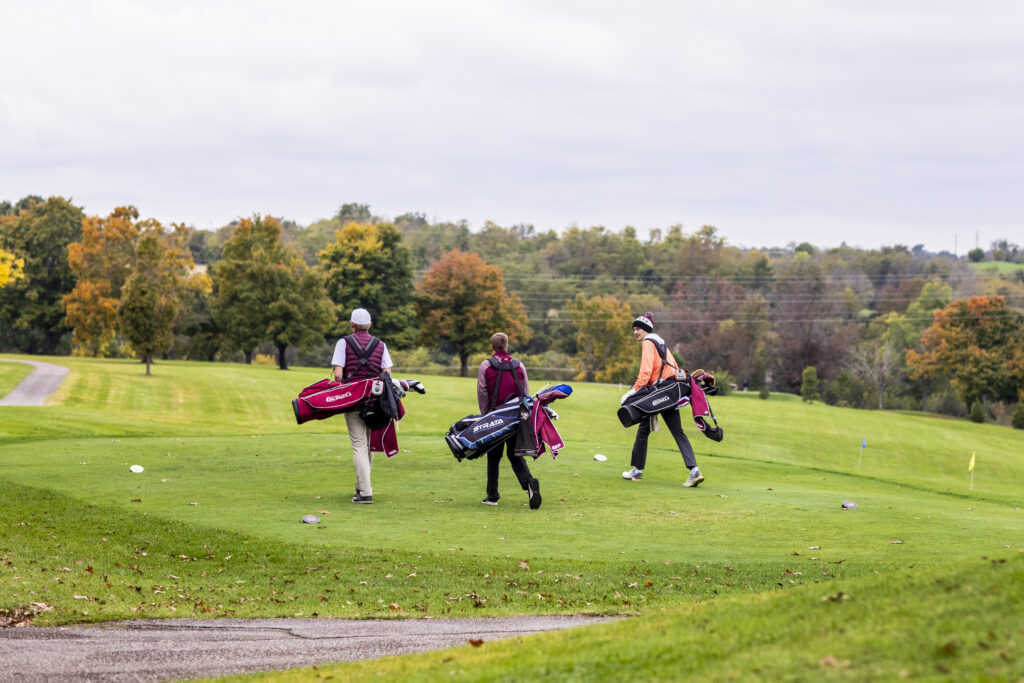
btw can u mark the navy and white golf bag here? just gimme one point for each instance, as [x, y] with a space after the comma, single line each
[527, 416]
[474, 435]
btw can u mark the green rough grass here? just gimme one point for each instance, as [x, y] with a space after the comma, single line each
[958, 621]
[1001, 268]
[11, 375]
[211, 528]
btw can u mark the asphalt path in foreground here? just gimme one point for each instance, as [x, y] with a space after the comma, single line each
[194, 648]
[37, 388]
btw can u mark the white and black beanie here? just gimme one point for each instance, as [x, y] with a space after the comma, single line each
[645, 322]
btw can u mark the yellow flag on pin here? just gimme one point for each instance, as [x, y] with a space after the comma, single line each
[970, 468]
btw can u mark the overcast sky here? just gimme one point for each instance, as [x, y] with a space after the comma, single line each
[873, 123]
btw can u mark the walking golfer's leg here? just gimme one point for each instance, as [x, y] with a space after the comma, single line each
[643, 431]
[522, 472]
[359, 435]
[493, 461]
[675, 426]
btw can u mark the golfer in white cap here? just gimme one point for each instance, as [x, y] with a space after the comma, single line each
[360, 356]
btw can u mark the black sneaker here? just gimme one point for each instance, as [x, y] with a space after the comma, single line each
[489, 501]
[533, 489]
[365, 500]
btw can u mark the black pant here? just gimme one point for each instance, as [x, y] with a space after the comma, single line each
[643, 431]
[518, 463]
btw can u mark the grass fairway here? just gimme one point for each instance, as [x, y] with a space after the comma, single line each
[11, 375]
[736, 567]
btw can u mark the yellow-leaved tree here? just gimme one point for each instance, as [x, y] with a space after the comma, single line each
[11, 268]
[604, 353]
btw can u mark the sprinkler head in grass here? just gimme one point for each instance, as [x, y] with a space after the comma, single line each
[310, 519]
[136, 468]
[849, 505]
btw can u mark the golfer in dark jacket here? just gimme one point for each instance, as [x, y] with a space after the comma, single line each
[491, 392]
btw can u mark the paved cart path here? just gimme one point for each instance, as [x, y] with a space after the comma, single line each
[38, 387]
[191, 648]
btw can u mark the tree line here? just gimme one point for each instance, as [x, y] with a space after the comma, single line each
[896, 327]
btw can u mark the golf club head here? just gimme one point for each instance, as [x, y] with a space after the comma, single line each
[415, 385]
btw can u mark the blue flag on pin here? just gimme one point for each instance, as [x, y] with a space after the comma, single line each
[863, 443]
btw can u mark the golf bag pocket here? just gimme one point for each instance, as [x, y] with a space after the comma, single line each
[474, 435]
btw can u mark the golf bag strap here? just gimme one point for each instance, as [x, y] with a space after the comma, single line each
[362, 355]
[664, 359]
[501, 367]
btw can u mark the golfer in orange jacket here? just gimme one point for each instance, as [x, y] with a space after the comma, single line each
[652, 369]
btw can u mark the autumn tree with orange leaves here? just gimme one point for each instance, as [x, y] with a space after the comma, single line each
[102, 261]
[979, 344]
[462, 301]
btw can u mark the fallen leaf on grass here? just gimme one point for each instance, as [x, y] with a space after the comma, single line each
[523, 565]
[828, 660]
[22, 616]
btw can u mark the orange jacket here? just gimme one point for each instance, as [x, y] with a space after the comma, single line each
[650, 361]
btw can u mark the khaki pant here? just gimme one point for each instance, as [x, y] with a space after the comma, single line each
[362, 458]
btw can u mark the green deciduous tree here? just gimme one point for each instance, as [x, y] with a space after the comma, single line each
[604, 351]
[369, 266]
[809, 384]
[462, 301]
[31, 316]
[149, 298]
[265, 292]
[196, 334]
[1017, 420]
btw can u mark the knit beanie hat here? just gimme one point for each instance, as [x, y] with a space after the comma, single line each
[645, 322]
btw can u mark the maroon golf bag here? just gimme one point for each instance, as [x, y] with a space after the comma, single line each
[374, 398]
[327, 398]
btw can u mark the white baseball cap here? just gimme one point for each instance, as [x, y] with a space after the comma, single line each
[361, 316]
